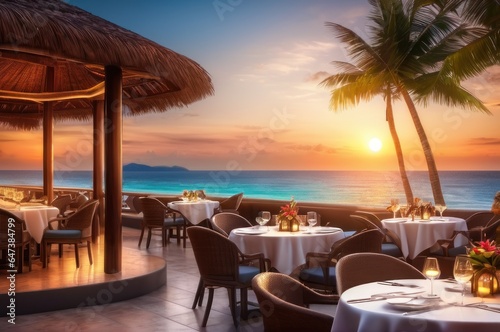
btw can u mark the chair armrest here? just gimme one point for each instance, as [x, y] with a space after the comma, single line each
[447, 244]
[59, 222]
[312, 297]
[249, 258]
[321, 258]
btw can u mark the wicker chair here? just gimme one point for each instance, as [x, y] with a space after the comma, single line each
[221, 264]
[62, 203]
[230, 204]
[73, 229]
[364, 267]
[319, 271]
[391, 244]
[284, 302]
[225, 222]
[156, 215]
[370, 216]
[22, 238]
[473, 235]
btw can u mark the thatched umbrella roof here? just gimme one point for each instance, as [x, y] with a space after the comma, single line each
[36, 35]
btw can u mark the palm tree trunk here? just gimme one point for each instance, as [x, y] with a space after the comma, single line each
[399, 151]
[429, 157]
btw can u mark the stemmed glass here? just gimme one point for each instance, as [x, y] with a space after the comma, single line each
[462, 272]
[395, 207]
[431, 271]
[402, 210]
[440, 208]
[18, 197]
[312, 219]
[263, 218]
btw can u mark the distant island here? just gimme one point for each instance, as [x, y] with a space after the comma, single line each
[133, 167]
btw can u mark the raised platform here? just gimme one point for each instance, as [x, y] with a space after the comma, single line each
[63, 286]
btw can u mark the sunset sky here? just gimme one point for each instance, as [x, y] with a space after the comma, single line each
[266, 59]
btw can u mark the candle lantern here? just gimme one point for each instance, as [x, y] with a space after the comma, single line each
[284, 225]
[484, 282]
[289, 225]
[294, 225]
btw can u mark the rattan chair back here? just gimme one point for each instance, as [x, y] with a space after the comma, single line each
[82, 218]
[231, 204]
[364, 267]
[225, 222]
[153, 212]
[283, 303]
[61, 202]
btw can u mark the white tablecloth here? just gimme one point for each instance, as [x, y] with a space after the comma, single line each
[418, 235]
[382, 316]
[36, 218]
[286, 250]
[196, 211]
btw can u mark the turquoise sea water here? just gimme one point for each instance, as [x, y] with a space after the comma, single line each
[462, 189]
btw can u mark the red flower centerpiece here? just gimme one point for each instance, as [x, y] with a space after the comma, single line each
[485, 259]
[287, 217]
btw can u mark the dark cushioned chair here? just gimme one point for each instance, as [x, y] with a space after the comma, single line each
[73, 229]
[284, 303]
[319, 271]
[221, 264]
[156, 215]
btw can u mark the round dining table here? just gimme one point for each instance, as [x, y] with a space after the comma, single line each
[195, 211]
[286, 250]
[36, 217]
[419, 235]
[412, 310]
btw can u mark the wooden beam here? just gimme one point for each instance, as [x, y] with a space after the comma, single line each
[113, 114]
[48, 147]
[40, 97]
[98, 108]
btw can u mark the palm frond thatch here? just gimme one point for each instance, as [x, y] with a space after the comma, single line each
[40, 34]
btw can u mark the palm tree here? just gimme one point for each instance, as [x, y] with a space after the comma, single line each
[410, 42]
[482, 52]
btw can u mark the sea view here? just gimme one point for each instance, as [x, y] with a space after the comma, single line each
[472, 190]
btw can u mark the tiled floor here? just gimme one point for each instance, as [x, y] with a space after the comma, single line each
[166, 309]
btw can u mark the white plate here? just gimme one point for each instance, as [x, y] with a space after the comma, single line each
[250, 231]
[397, 220]
[405, 303]
[325, 229]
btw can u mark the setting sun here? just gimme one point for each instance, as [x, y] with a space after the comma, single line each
[375, 144]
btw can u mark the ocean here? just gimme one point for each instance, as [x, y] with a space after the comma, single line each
[472, 190]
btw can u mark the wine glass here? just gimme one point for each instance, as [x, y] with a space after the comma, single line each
[402, 210]
[312, 219]
[462, 272]
[431, 271]
[440, 208]
[263, 218]
[395, 207]
[18, 197]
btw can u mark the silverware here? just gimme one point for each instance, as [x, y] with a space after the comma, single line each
[484, 307]
[385, 296]
[367, 299]
[436, 307]
[390, 283]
